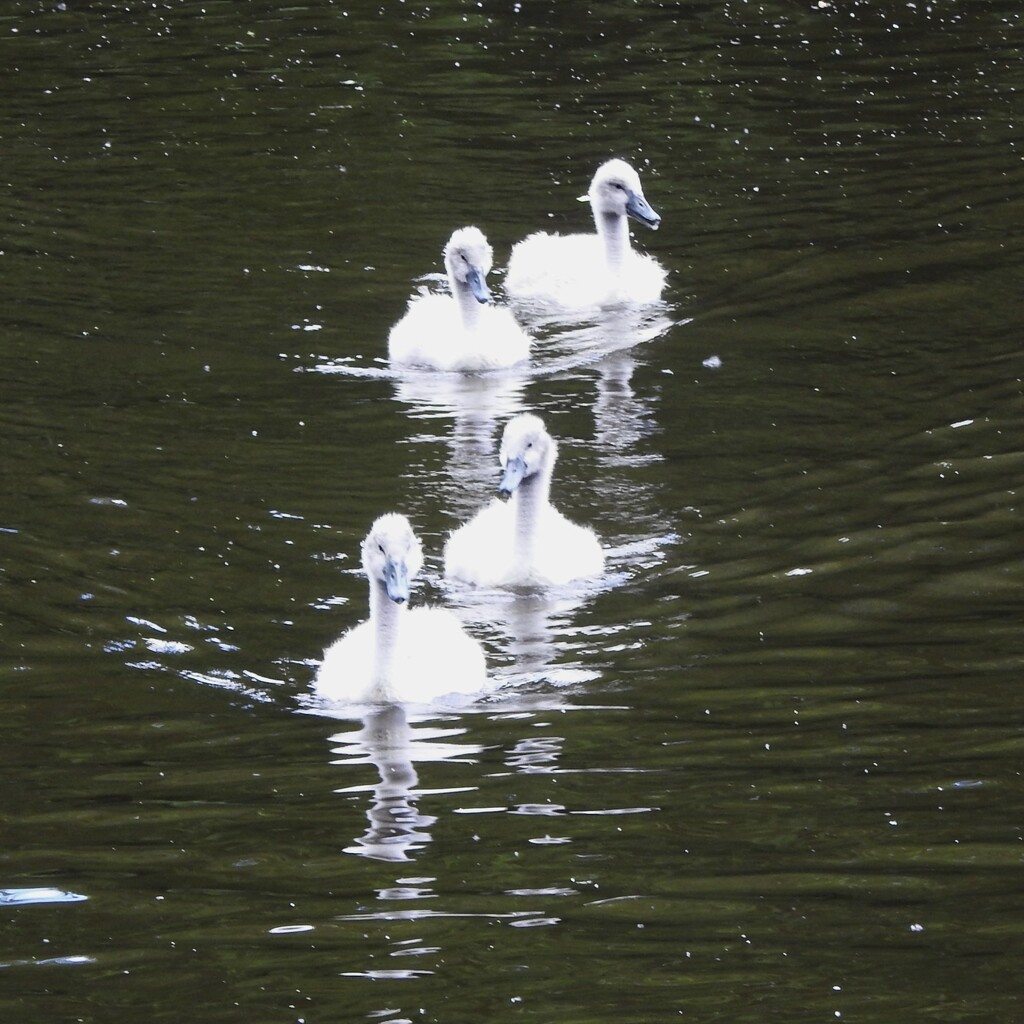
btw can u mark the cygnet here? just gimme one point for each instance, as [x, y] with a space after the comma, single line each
[583, 270]
[399, 654]
[464, 331]
[524, 541]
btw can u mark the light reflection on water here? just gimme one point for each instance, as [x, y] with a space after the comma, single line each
[19, 897]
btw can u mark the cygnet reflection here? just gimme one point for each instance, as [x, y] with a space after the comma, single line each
[572, 342]
[624, 416]
[539, 642]
[393, 745]
[474, 406]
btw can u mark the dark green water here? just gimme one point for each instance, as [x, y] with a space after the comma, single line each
[768, 770]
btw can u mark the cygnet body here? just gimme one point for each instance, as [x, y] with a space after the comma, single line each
[399, 654]
[525, 541]
[582, 270]
[462, 332]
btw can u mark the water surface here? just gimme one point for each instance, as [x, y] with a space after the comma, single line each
[768, 768]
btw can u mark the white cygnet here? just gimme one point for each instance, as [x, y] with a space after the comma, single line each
[399, 654]
[582, 270]
[525, 541]
[461, 332]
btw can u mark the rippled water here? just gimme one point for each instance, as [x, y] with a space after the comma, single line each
[768, 768]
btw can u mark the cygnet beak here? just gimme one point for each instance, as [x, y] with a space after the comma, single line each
[515, 470]
[396, 580]
[638, 208]
[478, 286]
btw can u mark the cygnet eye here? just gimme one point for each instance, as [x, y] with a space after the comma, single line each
[380, 548]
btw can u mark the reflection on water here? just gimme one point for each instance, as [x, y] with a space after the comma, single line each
[472, 408]
[621, 418]
[606, 348]
[475, 407]
[394, 741]
[393, 745]
[19, 897]
[534, 630]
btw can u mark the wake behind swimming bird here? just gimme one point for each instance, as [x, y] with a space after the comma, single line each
[461, 332]
[526, 541]
[583, 270]
[399, 654]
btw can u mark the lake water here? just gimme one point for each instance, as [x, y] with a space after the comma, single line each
[768, 768]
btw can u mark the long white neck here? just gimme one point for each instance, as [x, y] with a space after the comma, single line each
[531, 498]
[386, 620]
[469, 307]
[613, 230]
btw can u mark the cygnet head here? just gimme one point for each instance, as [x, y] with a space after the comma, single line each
[527, 449]
[616, 190]
[467, 258]
[392, 555]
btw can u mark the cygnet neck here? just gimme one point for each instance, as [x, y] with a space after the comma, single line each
[469, 305]
[386, 617]
[531, 498]
[613, 229]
